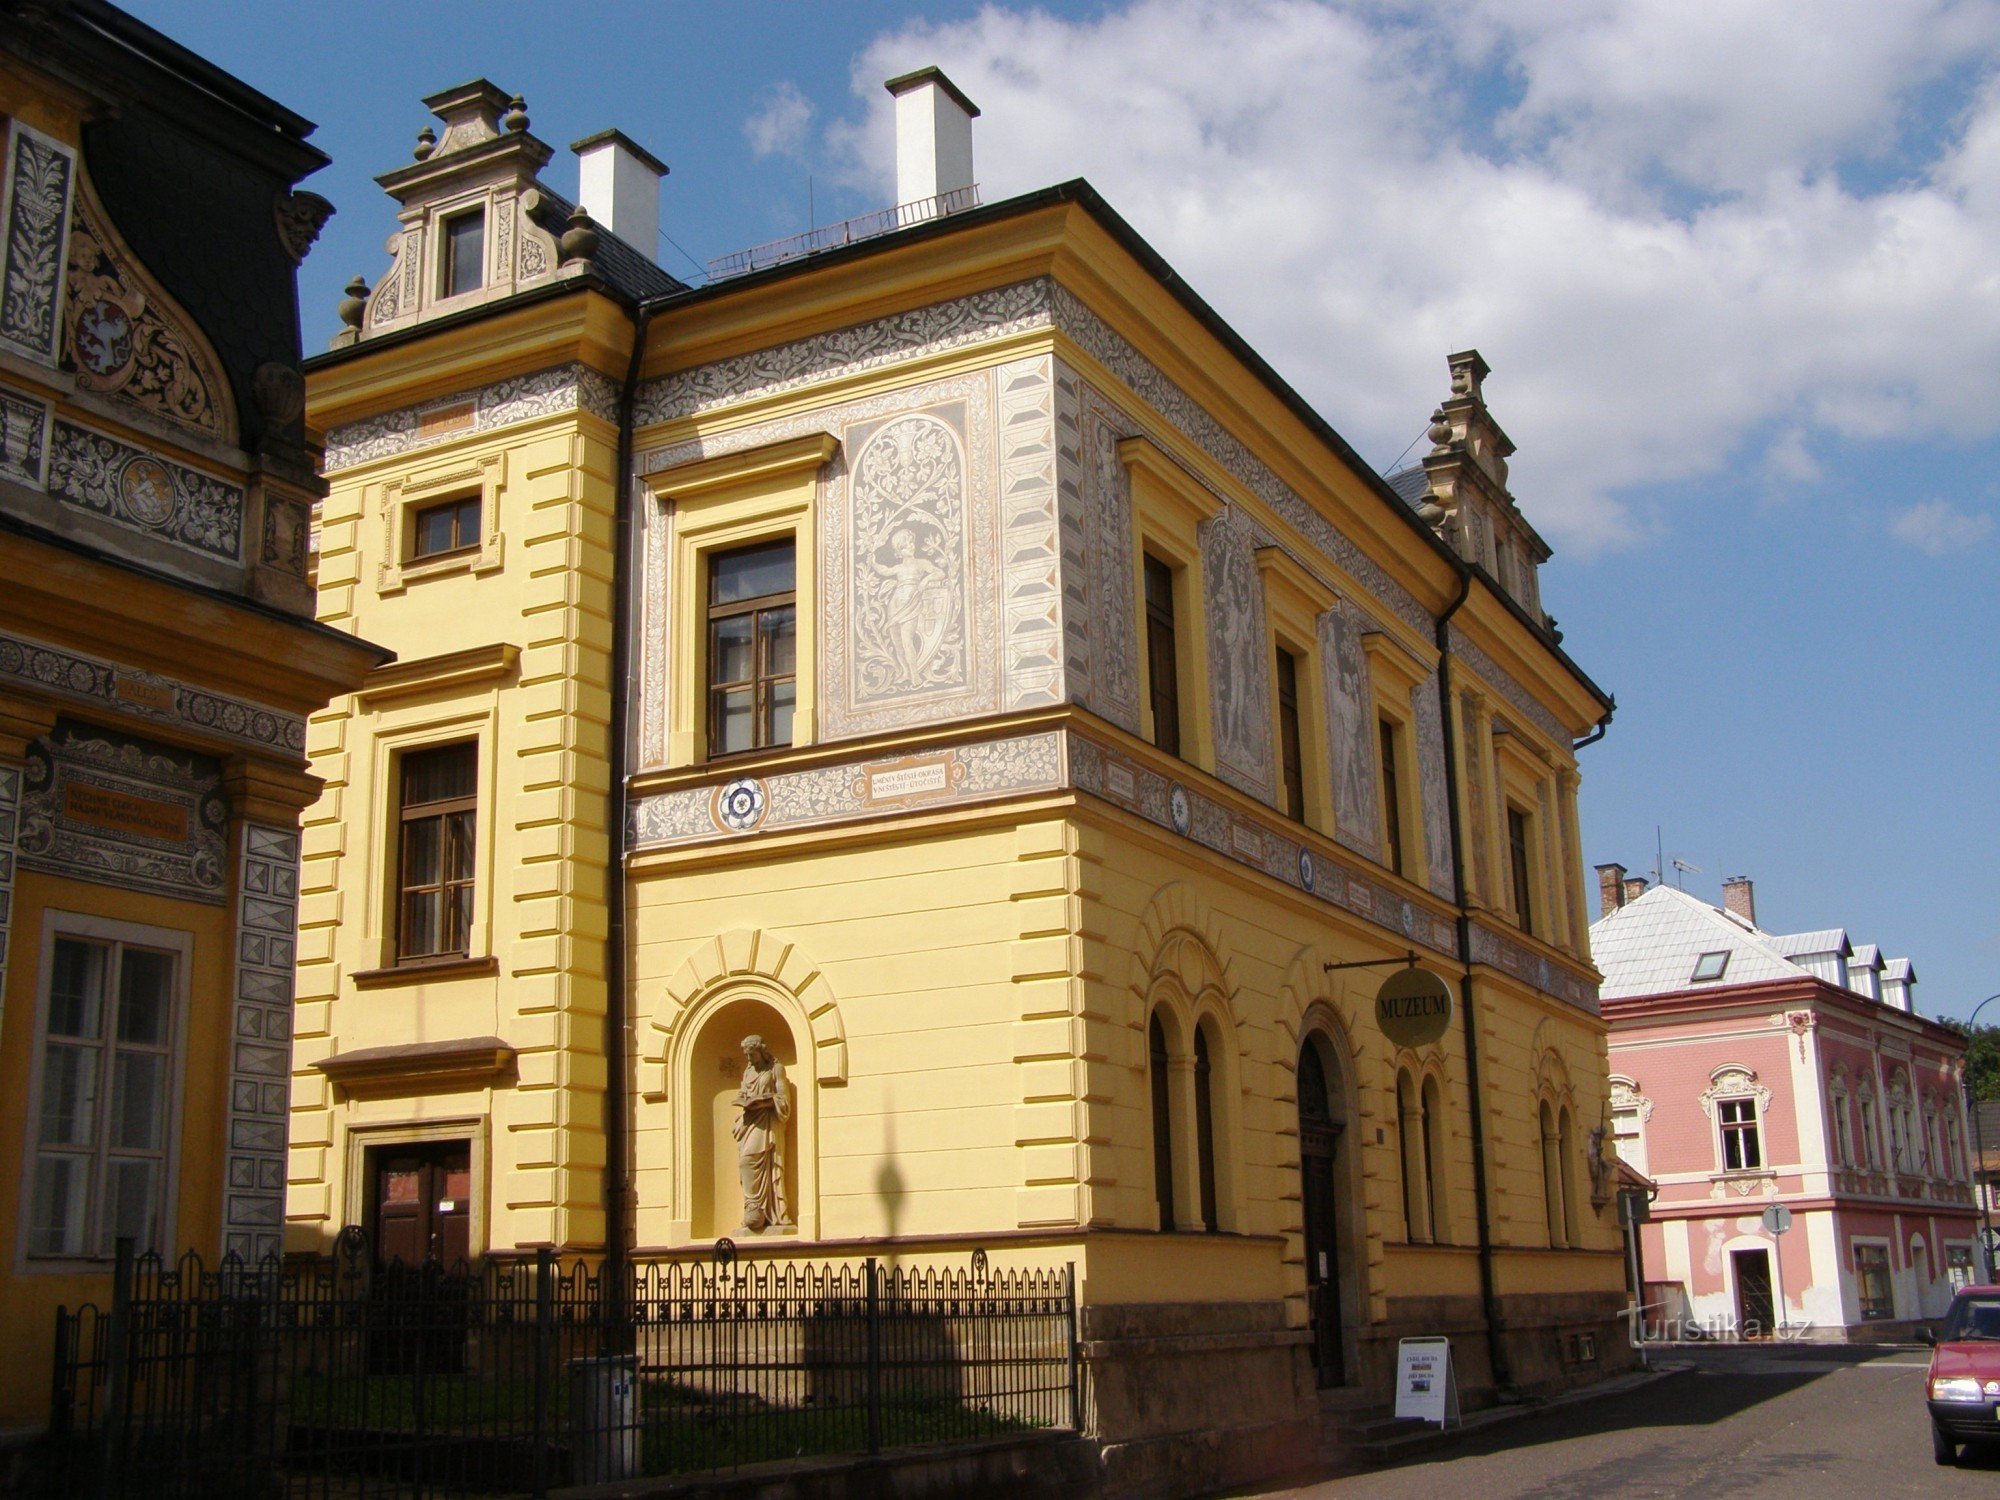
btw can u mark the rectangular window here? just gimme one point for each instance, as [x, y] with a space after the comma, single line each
[753, 648]
[1710, 967]
[1392, 797]
[1627, 1134]
[1291, 756]
[1162, 668]
[1871, 1154]
[451, 526]
[1843, 1135]
[1741, 1151]
[465, 252]
[439, 802]
[101, 1139]
[1517, 864]
[1871, 1274]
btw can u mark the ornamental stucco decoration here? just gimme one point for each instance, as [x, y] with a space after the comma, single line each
[144, 491]
[125, 338]
[1625, 1095]
[1734, 1081]
[43, 175]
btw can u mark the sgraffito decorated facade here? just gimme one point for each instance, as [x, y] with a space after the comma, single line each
[158, 660]
[957, 661]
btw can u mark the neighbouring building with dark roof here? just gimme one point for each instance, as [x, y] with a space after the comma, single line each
[158, 660]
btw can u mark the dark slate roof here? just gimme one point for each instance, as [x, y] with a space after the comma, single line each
[630, 273]
[1412, 485]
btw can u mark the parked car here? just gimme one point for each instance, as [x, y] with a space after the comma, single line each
[1962, 1387]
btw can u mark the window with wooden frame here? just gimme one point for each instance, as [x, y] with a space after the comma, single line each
[1291, 751]
[438, 802]
[1163, 1126]
[1204, 1130]
[463, 259]
[1163, 675]
[753, 641]
[1392, 794]
[447, 527]
[1873, 1283]
[1742, 1150]
[1519, 869]
[102, 1139]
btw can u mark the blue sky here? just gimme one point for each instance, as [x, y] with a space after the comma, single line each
[1732, 269]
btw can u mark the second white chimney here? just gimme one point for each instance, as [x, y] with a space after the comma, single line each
[933, 137]
[618, 185]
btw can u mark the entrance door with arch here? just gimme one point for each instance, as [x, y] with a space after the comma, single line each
[1320, 1129]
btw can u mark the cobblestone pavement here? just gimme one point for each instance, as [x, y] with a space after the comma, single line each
[1804, 1420]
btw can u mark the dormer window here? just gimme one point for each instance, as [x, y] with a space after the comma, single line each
[1709, 967]
[464, 252]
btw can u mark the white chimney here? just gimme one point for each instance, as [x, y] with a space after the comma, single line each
[933, 136]
[618, 185]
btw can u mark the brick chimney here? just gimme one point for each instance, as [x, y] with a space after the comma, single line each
[1739, 899]
[1635, 887]
[1610, 889]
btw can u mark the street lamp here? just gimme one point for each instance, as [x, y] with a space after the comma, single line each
[1983, 1192]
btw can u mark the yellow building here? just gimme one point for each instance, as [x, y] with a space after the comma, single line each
[158, 660]
[957, 658]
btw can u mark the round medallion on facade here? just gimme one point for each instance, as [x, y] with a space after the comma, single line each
[1307, 874]
[1178, 808]
[104, 338]
[739, 806]
[148, 492]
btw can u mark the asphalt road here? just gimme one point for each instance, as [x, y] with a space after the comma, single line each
[1763, 1421]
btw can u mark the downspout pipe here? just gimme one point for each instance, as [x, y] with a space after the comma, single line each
[618, 1226]
[1489, 1301]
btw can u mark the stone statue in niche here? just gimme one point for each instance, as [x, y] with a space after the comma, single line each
[908, 574]
[763, 1105]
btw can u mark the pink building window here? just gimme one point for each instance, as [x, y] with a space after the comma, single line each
[1741, 1150]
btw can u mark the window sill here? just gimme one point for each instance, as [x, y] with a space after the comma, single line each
[423, 971]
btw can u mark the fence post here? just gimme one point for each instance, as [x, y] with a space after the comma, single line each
[544, 1318]
[1069, 1309]
[117, 1371]
[874, 1361]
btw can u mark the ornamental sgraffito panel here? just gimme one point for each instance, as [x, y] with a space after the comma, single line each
[24, 433]
[260, 1057]
[1238, 670]
[108, 808]
[148, 493]
[907, 585]
[1350, 730]
[1431, 785]
[41, 175]
[1102, 591]
[125, 340]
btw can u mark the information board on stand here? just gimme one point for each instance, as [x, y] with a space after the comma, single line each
[1426, 1384]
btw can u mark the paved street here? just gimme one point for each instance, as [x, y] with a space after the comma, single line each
[1792, 1421]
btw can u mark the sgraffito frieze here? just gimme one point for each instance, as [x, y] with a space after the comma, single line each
[978, 318]
[135, 488]
[522, 398]
[260, 1059]
[146, 695]
[115, 810]
[1503, 683]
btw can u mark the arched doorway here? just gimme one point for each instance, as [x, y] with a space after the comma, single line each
[1322, 1123]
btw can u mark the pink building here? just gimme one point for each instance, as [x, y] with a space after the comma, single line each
[1750, 1069]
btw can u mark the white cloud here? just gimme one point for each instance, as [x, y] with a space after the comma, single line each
[780, 125]
[1939, 528]
[1644, 213]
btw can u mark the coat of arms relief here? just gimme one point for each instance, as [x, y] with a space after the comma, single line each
[908, 577]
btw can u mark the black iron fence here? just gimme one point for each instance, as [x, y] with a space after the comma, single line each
[334, 1377]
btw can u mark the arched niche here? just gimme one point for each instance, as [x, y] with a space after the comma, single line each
[713, 1065]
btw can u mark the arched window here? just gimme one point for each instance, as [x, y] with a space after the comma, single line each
[1552, 1184]
[1572, 1198]
[1416, 1180]
[1434, 1159]
[1163, 1124]
[1204, 1128]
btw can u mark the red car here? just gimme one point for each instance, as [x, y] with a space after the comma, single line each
[1962, 1387]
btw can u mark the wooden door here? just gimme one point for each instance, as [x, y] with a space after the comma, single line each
[1319, 1137]
[423, 1204]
